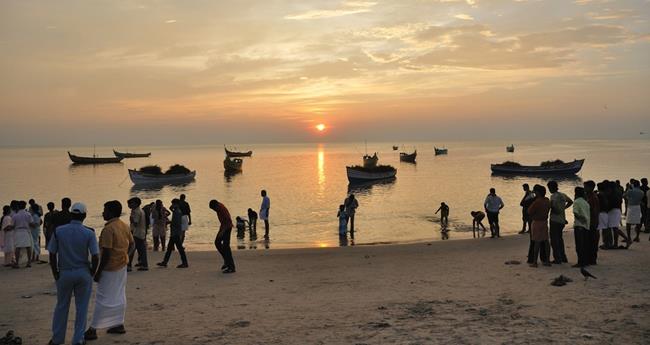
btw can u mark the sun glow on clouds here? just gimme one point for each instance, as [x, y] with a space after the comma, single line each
[360, 60]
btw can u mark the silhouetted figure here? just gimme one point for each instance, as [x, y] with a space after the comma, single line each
[593, 234]
[138, 225]
[351, 205]
[528, 198]
[477, 221]
[48, 223]
[175, 236]
[159, 216]
[264, 213]
[559, 203]
[644, 205]
[62, 217]
[539, 211]
[186, 221]
[222, 241]
[444, 214]
[252, 223]
[603, 216]
[614, 215]
[240, 224]
[343, 221]
[493, 204]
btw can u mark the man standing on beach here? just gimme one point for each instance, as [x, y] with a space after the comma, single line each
[222, 241]
[115, 242]
[559, 203]
[62, 217]
[69, 248]
[594, 211]
[581, 224]
[138, 224]
[644, 205]
[528, 199]
[187, 216]
[22, 234]
[48, 223]
[175, 236]
[264, 213]
[493, 204]
[634, 197]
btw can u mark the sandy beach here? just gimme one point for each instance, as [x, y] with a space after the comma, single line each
[452, 292]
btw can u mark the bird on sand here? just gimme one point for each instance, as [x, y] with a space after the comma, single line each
[586, 273]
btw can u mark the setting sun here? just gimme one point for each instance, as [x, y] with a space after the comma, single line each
[320, 127]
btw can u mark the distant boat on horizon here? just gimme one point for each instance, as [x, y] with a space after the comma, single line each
[237, 154]
[131, 155]
[408, 157]
[440, 151]
[94, 159]
[545, 168]
[510, 148]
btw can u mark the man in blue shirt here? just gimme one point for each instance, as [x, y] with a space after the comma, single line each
[69, 248]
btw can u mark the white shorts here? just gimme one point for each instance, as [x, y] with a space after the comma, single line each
[614, 218]
[185, 223]
[633, 216]
[603, 221]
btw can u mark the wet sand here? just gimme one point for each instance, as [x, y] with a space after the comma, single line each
[452, 292]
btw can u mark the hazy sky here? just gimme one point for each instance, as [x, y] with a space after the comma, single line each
[189, 72]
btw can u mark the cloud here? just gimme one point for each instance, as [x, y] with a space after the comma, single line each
[344, 9]
[464, 16]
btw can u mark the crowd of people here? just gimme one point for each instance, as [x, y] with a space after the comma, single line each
[77, 257]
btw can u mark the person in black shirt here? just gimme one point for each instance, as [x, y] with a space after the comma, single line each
[645, 221]
[48, 222]
[252, 223]
[63, 217]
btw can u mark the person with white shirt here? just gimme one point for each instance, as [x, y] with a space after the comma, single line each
[493, 204]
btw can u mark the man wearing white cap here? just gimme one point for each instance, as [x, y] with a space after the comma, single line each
[69, 248]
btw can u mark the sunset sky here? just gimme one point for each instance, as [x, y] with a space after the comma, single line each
[198, 72]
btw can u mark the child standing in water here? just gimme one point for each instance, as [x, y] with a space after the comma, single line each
[343, 221]
[444, 214]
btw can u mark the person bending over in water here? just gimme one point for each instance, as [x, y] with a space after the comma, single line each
[477, 223]
[241, 226]
[252, 223]
[444, 214]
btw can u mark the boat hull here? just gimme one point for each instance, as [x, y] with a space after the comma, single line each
[510, 148]
[140, 178]
[571, 168]
[238, 154]
[408, 157]
[94, 160]
[131, 155]
[357, 175]
[439, 151]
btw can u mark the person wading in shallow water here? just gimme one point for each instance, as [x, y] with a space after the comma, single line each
[264, 213]
[351, 204]
[222, 241]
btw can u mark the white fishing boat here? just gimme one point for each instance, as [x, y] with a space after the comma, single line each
[139, 178]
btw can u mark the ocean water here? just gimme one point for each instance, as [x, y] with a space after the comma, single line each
[307, 183]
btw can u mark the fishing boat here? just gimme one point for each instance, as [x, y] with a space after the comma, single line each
[131, 155]
[140, 177]
[545, 168]
[94, 159]
[370, 172]
[510, 148]
[408, 157]
[237, 154]
[395, 148]
[232, 165]
[440, 151]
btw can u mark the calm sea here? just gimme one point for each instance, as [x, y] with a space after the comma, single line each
[307, 183]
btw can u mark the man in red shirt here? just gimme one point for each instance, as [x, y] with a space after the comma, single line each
[222, 242]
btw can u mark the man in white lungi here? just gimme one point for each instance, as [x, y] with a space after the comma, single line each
[22, 233]
[634, 197]
[115, 242]
[264, 213]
